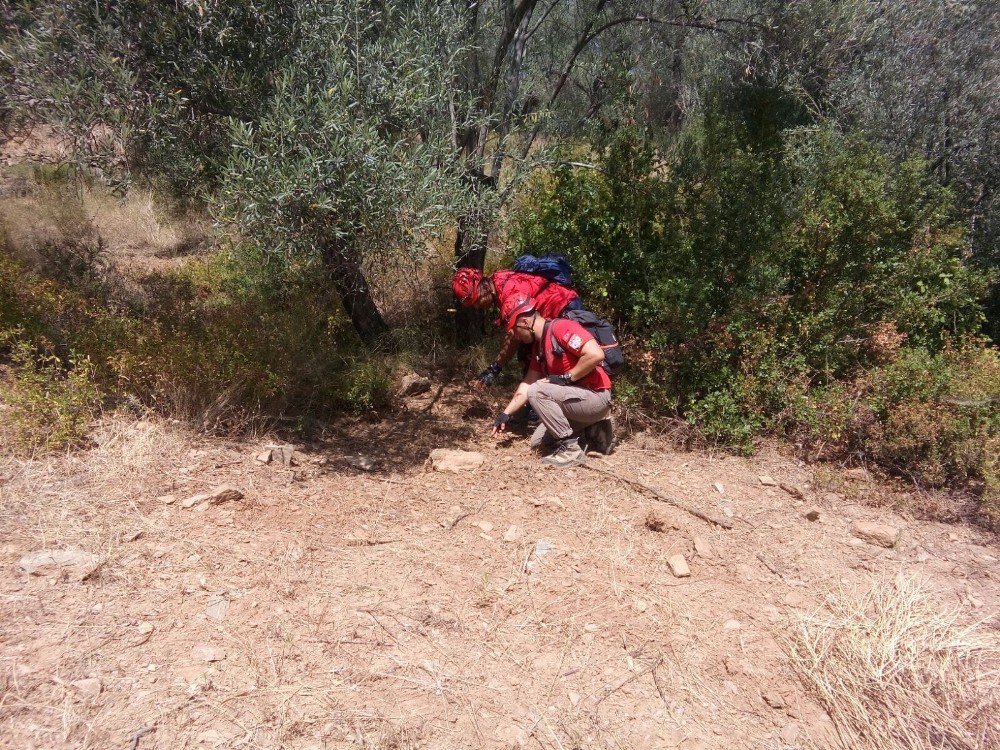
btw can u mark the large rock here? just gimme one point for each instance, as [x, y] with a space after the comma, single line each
[413, 385]
[73, 560]
[445, 459]
[222, 494]
[873, 532]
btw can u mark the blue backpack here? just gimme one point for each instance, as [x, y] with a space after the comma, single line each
[552, 267]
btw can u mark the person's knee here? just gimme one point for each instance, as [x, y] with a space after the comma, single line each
[535, 392]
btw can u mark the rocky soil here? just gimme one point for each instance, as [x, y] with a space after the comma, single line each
[165, 590]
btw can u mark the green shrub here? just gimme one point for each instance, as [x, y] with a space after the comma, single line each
[48, 405]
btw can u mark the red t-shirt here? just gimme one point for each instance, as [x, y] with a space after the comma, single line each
[571, 337]
[550, 298]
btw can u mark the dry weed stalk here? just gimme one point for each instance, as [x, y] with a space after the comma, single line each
[897, 673]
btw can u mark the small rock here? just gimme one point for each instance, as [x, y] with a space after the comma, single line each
[679, 567]
[217, 610]
[719, 487]
[264, 457]
[792, 490]
[167, 499]
[145, 628]
[732, 625]
[413, 384]
[50, 561]
[486, 526]
[952, 536]
[812, 514]
[728, 512]
[557, 502]
[858, 475]
[640, 606]
[789, 734]
[833, 498]
[794, 599]
[767, 481]
[512, 534]
[208, 653]
[536, 501]
[774, 699]
[456, 461]
[363, 462]
[591, 627]
[881, 534]
[703, 548]
[90, 686]
[574, 698]
[283, 454]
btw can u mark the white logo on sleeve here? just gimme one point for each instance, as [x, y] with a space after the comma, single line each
[576, 342]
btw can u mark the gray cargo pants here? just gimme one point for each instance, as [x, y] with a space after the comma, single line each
[565, 409]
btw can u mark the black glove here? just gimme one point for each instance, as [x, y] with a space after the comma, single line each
[490, 374]
[563, 379]
[501, 420]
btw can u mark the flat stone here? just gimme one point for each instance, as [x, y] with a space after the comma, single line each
[145, 628]
[167, 499]
[217, 610]
[456, 461]
[719, 487]
[74, 560]
[208, 653]
[363, 462]
[486, 526]
[264, 457]
[678, 566]
[767, 481]
[732, 625]
[881, 534]
[512, 534]
[90, 686]
[703, 548]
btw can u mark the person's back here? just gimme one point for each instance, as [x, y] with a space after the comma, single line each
[551, 298]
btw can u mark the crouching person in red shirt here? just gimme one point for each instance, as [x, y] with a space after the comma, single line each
[565, 382]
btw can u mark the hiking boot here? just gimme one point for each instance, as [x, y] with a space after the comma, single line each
[567, 453]
[600, 437]
[531, 417]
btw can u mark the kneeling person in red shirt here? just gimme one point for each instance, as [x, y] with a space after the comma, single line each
[565, 382]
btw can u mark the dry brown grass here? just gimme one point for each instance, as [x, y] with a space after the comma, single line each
[106, 481]
[897, 673]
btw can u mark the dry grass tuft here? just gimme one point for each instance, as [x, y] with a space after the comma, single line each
[897, 673]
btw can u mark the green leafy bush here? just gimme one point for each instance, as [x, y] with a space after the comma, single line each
[788, 284]
[47, 405]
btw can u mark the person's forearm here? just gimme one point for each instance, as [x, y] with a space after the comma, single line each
[588, 362]
[519, 399]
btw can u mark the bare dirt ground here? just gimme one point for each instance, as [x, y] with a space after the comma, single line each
[334, 607]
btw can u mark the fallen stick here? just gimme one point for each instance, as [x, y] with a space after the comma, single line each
[661, 496]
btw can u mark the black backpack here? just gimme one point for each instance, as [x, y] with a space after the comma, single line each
[604, 332]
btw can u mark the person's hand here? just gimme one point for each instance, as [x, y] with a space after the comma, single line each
[500, 423]
[563, 379]
[487, 377]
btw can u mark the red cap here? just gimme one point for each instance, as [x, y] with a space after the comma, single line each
[465, 285]
[514, 307]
